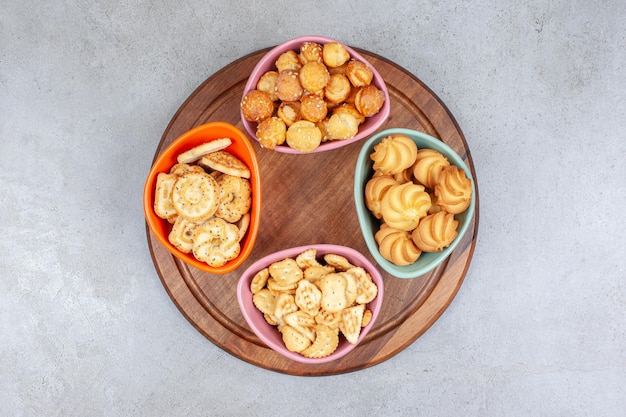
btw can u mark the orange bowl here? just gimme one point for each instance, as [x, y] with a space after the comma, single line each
[242, 149]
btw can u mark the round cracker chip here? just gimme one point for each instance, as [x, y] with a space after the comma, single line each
[197, 152]
[195, 196]
[225, 162]
[293, 339]
[325, 343]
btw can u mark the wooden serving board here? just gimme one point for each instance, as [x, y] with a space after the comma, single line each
[309, 199]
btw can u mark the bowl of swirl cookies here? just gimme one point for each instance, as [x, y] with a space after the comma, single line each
[313, 94]
[312, 304]
[202, 197]
[414, 197]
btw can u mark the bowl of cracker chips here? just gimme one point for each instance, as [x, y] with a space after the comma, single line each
[202, 197]
[312, 94]
[311, 304]
[415, 199]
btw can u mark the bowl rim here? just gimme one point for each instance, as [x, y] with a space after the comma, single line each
[365, 218]
[378, 80]
[260, 326]
[154, 222]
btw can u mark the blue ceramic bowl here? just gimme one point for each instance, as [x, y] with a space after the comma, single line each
[370, 224]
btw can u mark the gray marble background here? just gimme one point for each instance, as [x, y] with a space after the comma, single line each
[538, 327]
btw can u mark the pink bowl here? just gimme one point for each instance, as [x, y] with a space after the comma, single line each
[270, 334]
[267, 63]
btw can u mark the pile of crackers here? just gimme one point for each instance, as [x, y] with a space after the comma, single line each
[312, 301]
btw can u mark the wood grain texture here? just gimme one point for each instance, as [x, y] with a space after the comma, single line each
[308, 199]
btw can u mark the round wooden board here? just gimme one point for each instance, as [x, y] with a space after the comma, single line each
[309, 199]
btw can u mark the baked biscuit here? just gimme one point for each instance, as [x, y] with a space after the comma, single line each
[311, 51]
[338, 88]
[335, 54]
[428, 166]
[325, 343]
[216, 242]
[396, 246]
[313, 76]
[313, 108]
[271, 132]
[359, 73]
[288, 60]
[393, 154]
[342, 126]
[235, 197]
[257, 105]
[349, 108]
[163, 206]
[435, 232]
[289, 112]
[181, 235]
[195, 196]
[288, 86]
[404, 205]
[369, 100]
[375, 190]
[304, 136]
[225, 162]
[197, 152]
[267, 83]
[454, 190]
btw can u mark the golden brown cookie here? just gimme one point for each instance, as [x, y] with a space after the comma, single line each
[257, 105]
[335, 54]
[304, 136]
[271, 132]
[235, 197]
[195, 196]
[288, 87]
[267, 83]
[225, 162]
[313, 108]
[338, 88]
[288, 60]
[369, 100]
[359, 73]
[314, 76]
[435, 232]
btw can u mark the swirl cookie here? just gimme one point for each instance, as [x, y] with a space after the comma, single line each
[454, 190]
[394, 154]
[404, 205]
[435, 232]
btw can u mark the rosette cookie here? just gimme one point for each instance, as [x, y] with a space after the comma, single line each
[394, 154]
[404, 205]
[428, 167]
[454, 190]
[435, 232]
[396, 246]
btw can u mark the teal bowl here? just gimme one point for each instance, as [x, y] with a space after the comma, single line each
[370, 224]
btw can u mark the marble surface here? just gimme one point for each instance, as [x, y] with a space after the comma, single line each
[538, 327]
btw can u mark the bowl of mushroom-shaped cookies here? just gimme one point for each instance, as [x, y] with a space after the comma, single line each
[312, 304]
[415, 199]
[202, 197]
[312, 94]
